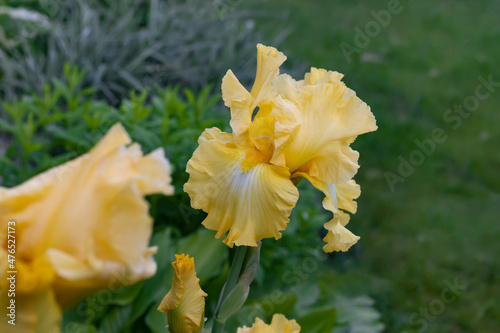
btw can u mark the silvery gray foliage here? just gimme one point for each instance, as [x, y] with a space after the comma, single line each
[132, 44]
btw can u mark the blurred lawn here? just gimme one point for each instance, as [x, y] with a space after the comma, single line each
[441, 223]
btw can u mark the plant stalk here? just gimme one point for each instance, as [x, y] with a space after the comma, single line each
[232, 279]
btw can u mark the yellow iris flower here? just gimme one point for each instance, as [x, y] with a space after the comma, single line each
[80, 227]
[279, 324]
[245, 180]
[184, 304]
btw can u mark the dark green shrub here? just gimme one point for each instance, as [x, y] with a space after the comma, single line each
[126, 45]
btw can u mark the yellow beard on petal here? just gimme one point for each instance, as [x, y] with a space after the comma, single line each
[252, 158]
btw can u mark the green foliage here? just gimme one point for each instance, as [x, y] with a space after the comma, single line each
[318, 321]
[125, 45]
[20, 23]
[357, 314]
[208, 254]
[47, 129]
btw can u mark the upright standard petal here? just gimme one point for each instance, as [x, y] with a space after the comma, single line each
[240, 192]
[331, 116]
[279, 324]
[243, 103]
[184, 304]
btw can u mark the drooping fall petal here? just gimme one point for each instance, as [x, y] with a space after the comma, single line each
[339, 238]
[339, 199]
[241, 194]
[184, 304]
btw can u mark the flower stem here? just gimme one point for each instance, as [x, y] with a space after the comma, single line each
[232, 279]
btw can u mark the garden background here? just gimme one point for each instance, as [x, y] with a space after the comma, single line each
[428, 213]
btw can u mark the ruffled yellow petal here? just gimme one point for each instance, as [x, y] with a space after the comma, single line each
[262, 135]
[279, 324]
[258, 327]
[153, 174]
[239, 100]
[282, 124]
[243, 103]
[338, 199]
[269, 61]
[184, 304]
[322, 76]
[337, 196]
[241, 193]
[338, 237]
[275, 121]
[288, 88]
[85, 225]
[272, 129]
[331, 116]
[291, 89]
[346, 193]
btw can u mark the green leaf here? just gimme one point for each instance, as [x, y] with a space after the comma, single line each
[126, 295]
[251, 264]
[7, 161]
[54, 118]
[75, 327]
[238, 295]
[318, 321]
[61, 89]
[183, 133]
[6, 127]
[234, 301]
[358, 314]
[307, 295]
[31, 147]
[190, 97]
[155, 288]
[116, 319]
[209, 253]
[70, 137]
[156, 320]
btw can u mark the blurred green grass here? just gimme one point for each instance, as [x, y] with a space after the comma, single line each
[441, 223]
